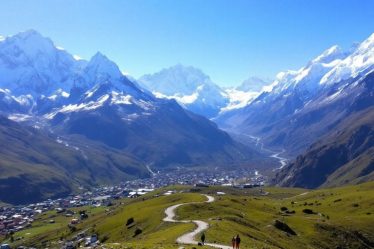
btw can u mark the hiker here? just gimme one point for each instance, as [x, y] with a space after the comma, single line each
[237, 242]
[233, 242]
[203, 238]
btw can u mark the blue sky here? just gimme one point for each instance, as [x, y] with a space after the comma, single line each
[230, 40]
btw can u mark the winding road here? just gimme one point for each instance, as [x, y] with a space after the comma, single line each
[189, 238]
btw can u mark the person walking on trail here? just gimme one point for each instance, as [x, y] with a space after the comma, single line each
[203, 238]
[233, 242]
[237, 242]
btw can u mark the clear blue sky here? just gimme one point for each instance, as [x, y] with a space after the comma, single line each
[228, 39]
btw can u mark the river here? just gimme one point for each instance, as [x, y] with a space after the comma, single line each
[257, 141]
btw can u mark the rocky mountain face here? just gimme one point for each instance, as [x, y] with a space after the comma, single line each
[345, 156]
[159, 131]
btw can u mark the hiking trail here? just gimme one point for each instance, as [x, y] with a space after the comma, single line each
[189, 238]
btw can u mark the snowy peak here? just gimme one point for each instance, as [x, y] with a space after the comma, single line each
[32, 64]
[330, 55]
[101, 65]
[368, 44]
[30, 42]
[189, 86]
[252, 84]
[361, 60]
[177, 79]
[332, 66]
[101, 70]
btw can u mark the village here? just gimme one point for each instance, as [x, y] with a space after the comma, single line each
[16, 218]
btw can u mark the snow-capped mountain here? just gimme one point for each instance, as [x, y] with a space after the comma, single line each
[302, 104]
[189, 86]
[10, 103]
[32, 64]
[361, 60]
[45, 86]
[253, 84]
[195, 91]
[244, 94]
[308, 78]
[345, 154]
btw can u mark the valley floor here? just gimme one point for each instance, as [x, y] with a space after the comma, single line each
[264, 218]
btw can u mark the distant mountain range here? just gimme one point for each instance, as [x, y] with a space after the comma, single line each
[332, 92]
[345, 155]
[72, 123]
[45, 87]
[195, 91]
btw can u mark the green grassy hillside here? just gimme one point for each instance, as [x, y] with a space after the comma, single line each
[335, 218]
[34, 166]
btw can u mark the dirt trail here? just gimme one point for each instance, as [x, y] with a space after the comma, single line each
[189, 238]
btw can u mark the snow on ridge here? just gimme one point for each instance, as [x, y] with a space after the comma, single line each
[92, 105]
[182, 99]
[77, 57]
[330, 66]
[361, 59]
[238, 99]
[5, 90]
[59, 93]
[119, 99]
[18, 117]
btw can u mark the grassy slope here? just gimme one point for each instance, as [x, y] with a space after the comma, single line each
[344, 219]
[110, 223]
[33, 166]
[252, 217]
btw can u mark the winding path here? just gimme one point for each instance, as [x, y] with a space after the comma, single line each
[189, 238]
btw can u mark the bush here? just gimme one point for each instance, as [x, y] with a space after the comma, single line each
[308, 211]
[284, 227]
[105, 238]
[130, 221]
[72, 228]
[137, 232]
[284, 209]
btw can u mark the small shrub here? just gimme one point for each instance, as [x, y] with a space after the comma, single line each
[72, 228]
[284, 227]
[130, 221]
[308, 211]
[284, 209]
[105, 238]
[137, 232]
